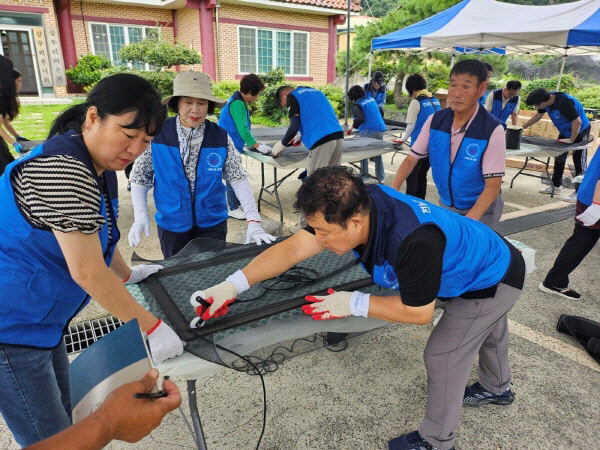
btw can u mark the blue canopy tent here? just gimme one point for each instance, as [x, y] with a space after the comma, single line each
[489, 26]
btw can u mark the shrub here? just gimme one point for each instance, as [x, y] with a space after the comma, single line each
[274, 76]
[159, 53]
[589, 97]
[437, 76]
[335, 95]
[88, 70]
[162, 81]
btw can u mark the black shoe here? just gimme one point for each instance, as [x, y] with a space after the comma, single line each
[410, 441]
[477, 395]
[566, 292]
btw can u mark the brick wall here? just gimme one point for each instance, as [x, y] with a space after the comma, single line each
[318, 40]
[83, 40]
[188, 32]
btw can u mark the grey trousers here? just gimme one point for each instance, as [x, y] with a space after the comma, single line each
[327, 154]
[467, 327]
[491, 217]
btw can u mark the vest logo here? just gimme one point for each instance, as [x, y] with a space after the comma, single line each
[389, 277]
[556, 114]
[473, 150]
[214, 161]
[424, 207]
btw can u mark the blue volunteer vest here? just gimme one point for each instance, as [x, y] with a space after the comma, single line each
[373, 120]
[560, 121]
[317, 118]
[585, 194]
[483, 98]
[39, 296]
[427, 106]
[497, 110]
[459, 183]
[378, 95]
[226, 121]
[475, 256]
[176, 210]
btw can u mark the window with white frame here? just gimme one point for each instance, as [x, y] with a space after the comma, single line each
[108, 39]
[262, 49]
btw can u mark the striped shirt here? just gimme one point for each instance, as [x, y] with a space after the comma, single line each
[59, 193]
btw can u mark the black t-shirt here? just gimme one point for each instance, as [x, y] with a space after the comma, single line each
[566, 106]
[3, 105]
[359, 116]
[420, 260]
[294, 108]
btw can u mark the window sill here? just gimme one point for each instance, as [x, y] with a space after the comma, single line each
[287, 77]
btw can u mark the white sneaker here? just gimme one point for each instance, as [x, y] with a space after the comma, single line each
[237, 213]
[548, 190]
[571, 198]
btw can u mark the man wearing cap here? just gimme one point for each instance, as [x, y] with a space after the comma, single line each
[312, 115]
[186, 164]
[504, 103]
[377, 89]
[567, 114]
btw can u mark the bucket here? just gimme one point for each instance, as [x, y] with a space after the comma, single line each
[513, 137]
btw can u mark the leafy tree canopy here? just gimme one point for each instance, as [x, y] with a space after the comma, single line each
[159, 53]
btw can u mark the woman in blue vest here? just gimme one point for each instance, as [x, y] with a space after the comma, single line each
[567, 114]
[585, 235]
[235, 118]
[369, 123]
[59, 249]
[504, 103]
[422, 105]
[423, 252]
[185, 165]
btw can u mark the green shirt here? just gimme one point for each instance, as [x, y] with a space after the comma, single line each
[238, 112]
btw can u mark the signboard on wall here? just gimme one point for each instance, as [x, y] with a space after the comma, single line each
[43, 58]
[56, 59]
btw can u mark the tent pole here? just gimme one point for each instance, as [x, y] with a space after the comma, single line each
[562, 68]
[452, 61]
[347, 67]
[480, 51]
[370, 63]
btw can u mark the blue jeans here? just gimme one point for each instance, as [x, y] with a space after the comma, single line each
[232, 200]
[364, 164]
[35, 398]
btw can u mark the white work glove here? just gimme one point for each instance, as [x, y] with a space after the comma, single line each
[163, 342]
[263, 148]
[140, 214]
[141, 272]
[276, 150]
[591, 215]
[214, 301]
[256, 232]
[337, 305]
[565, 141]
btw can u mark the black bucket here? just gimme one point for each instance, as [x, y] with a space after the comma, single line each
[513, 138]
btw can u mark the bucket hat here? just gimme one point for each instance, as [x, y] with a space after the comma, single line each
[193, 84]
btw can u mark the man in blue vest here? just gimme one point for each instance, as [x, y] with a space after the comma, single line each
[312, 115]
[424, 252]
[567, 114]
[585, 235]
[504, 103]
[490, 71]
[466, 146]
[377, 89]
[369, 123]
[422, 105]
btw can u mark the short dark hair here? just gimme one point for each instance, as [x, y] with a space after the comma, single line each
[356, 92]
[513, 85]
[415, 82]
[279, 91]
[537, 96]
[174, 105]
[488, 67]
[251, 84]
[471, 67]
[116, 95]
[335, 191]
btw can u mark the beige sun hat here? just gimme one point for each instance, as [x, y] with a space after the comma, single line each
[193, 84]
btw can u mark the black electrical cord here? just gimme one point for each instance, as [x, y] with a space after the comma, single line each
[262, 380]
[293, 277]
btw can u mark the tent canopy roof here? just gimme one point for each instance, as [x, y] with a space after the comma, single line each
[496, 27]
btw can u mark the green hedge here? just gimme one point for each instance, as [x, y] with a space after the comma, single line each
[89, 70]
[589, 97]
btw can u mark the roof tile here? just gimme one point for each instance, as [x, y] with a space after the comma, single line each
[334, 4]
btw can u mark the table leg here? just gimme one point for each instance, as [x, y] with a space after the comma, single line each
[519, 172]
[275, 184]
[549, 179]
[262, 184]
[191, 388]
